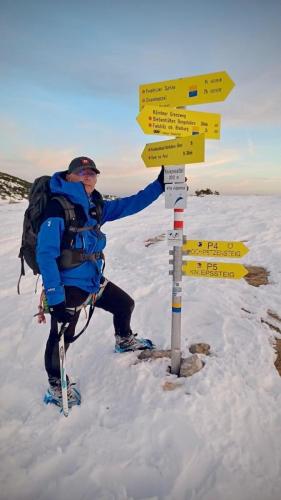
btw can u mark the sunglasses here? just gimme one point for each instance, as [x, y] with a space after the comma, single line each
[86, 171]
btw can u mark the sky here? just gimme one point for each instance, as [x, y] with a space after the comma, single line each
[70, 76]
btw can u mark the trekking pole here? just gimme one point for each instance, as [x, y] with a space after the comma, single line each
[63, 369]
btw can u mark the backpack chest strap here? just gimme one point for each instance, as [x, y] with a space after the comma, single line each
[74, 257]
[73, 229]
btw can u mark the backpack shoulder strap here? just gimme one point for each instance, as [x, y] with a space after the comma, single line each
[99, 203]
[68, 207]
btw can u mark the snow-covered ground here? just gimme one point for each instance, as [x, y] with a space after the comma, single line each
[216, 437]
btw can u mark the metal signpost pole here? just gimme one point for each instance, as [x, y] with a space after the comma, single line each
[177, 291]
[176, 198]
[176, 297]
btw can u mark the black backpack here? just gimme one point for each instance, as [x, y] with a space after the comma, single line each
[39, 195]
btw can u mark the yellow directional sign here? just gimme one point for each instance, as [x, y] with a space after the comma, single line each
[198, 89]
[220, 270]
[179, 122]
[175, 152]
[205, 248]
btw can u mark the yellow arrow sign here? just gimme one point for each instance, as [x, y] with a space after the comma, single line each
[198, 89]
[220, 270]
[179, 122]
[204, 248]
[175, 152]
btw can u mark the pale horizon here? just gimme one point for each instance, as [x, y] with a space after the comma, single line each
[70, 81]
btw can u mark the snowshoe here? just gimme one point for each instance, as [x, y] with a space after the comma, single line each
[132, 343]
[53, 395]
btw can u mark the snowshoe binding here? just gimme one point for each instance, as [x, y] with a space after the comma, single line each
[132, 343]
[53, 395]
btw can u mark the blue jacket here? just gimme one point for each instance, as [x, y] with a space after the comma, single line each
[87, 275]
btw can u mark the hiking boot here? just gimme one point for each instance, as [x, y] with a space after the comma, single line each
[132, 343]
[54, 395]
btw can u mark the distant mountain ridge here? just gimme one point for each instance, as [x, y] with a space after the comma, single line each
[14, 189]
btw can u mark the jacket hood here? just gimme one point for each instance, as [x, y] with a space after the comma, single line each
[74, 191]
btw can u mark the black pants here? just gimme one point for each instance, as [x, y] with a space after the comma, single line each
[113, 300]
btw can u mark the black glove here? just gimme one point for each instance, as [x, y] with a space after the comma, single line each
[161, 178]
[60, 313]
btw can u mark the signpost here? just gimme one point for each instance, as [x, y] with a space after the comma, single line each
[219, 270]
[200, 89]
[175, 195]
[174, 174]
[205, 248]
[175, 151]
[157, 116]
[179, 122]
[174, 237]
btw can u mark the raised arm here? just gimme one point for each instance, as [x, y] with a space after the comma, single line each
[123, 207]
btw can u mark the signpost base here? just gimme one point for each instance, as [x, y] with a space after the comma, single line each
[176, 361]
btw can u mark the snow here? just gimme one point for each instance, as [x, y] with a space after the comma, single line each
[215, 437]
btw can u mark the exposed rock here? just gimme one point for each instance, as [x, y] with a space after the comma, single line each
[155, 239]
[110, 197]
[257, 275]
[190, 365]
[200, 348]
[273, 327]
[273, 315]
[154, 354]
[203, 192]
[277, 347]
[171, 386]
[276, 341]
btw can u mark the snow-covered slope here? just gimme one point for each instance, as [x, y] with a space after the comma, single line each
[216, 437]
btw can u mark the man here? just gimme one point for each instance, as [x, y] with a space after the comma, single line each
[71, 262]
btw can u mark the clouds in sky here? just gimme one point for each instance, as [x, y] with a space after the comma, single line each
[108, 47]
[70, 73]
